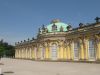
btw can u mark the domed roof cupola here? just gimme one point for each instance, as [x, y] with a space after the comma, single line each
[57, 26]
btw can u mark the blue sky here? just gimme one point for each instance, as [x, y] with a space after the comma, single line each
[20, 19]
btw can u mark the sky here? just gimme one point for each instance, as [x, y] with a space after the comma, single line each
[20, 19]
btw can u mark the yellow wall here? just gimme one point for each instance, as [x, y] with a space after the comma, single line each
[86, 49]
[69, 52]
[98, 51]
[33, 53]
[47, 53]
[61, 52]
[65, 53]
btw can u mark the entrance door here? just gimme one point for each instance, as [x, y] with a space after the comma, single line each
[76, 50]
[91, 50]
[54, 52]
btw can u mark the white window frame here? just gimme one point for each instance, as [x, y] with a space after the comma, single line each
[54, 58]
[91, 58]
[76, 58]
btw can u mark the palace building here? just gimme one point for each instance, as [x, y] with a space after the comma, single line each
[59, 41]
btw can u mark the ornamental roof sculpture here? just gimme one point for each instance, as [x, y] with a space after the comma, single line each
[61, 27]
[55, 26]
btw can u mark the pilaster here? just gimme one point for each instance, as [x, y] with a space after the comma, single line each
[97, 40]
[33, 53]
[72, 49]
[85, 45]
[81, 49]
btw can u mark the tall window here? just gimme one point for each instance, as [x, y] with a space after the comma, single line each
[91, 49]
[54, 27]
[42, 52]
[76, 50]
[54, 51]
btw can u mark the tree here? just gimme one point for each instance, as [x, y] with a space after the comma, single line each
[6, 49]
[1, 51]
[2, 48]
[10, 51]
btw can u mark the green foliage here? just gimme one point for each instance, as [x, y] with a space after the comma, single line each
[6, 50]
[1, 50]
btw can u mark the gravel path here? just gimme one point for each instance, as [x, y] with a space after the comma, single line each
[28, 67]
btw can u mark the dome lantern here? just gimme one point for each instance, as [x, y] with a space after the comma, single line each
[55, 21]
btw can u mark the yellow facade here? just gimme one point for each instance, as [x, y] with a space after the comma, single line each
[61, 45]
[65, 53]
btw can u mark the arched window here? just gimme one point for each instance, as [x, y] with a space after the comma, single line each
[54, 51]
[76, 50]
[91, 49]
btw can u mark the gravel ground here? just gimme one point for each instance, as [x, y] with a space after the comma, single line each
[29, 67]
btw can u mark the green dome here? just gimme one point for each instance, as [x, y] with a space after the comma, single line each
[59, 25]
